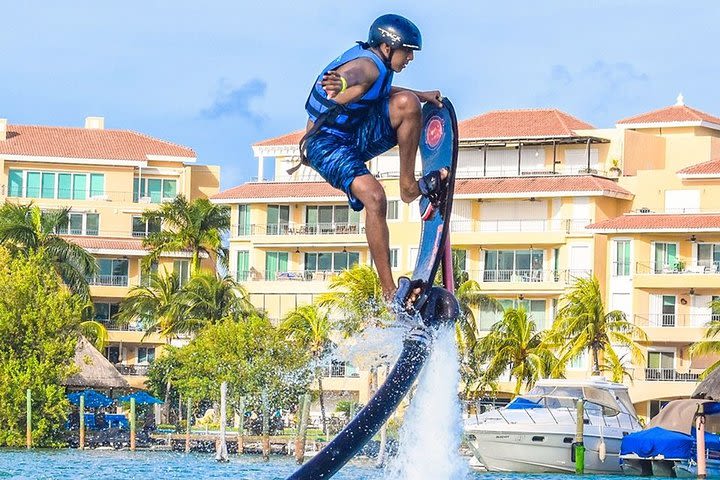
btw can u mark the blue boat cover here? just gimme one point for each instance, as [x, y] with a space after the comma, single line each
[521, 403]
[659, 441]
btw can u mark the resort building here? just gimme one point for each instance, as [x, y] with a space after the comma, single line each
[107, 178]
[541, 199]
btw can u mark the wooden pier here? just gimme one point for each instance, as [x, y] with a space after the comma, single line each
[206, 442]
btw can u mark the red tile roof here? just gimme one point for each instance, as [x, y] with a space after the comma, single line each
[71, 142]
[288, 139]
[674, 113]
[521, 124]
[649, 221]
[298, 190]
[711, 167]
[497, 124]
[96, 243]
[547, 184]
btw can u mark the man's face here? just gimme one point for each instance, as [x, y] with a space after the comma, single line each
[400, 58]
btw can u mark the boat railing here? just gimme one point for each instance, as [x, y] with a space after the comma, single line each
[588, 418]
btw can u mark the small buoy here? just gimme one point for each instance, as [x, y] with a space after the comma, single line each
[602, 452]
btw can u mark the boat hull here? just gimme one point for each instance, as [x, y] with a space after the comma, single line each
[542, 451]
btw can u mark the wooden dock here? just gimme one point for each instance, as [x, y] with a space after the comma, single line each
[206, 442]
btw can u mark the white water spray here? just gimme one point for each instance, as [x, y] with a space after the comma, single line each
[432, 428]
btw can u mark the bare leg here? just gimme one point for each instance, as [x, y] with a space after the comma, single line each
[406, 118]
[369, 191]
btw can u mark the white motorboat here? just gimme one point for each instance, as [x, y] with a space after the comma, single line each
[535, 432]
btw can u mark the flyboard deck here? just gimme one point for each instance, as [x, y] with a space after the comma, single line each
[438, 149]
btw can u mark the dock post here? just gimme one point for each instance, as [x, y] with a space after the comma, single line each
[221, 453]
[700, 432]
[132, 424]
[28, 427]
[187, 427]
[241, 426]
[265, 428]
[579, 446]
[81, 445]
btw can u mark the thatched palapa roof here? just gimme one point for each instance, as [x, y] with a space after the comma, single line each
[96, 371]
[709, 388]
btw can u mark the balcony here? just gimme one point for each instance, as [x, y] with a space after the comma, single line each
[678, 275]
[288, 275]
[134, 370]
[332, 228]
[671, 320]
[669, 375]
[108, 280]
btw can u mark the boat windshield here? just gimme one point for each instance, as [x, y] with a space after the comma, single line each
[567, 397]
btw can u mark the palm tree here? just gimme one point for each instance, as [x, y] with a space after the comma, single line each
[582, 324]
[515, 344]
[211, 298]
[709, 345]
[195, 226]
[357, 294]
[470, 296]
[159, 306]
[26, 228]
[309, 327]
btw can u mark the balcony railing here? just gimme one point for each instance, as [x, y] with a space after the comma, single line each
[527, 225]
[133, 369]
[108, 280]
[690, 320]
[115, 326]
[525, 276]
[669, 375]
[339, 371]
[695, 268]
[514, 276]
[333, 228]
[285, 275]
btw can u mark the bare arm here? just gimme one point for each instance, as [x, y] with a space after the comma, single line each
[357, 75]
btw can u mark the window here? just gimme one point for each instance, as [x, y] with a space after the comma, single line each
[48, 185]
[182, 269]
[154, 190]
[97, 185]
[81, 224]
[580, 362]
[15, 180]
[666, 260]
[43, 184]
[278, 219]
[243, 220]
[146, 273]
[275, 262]
[621, 264]
[393, 210]
[142, 228]
[709, 256]
[535, 309]
[656, 406]
[513, 266]
[330, 261]
[331, 219]
[112, 353]
[146, 355]
[661, 366]
[243, 265]
[104, 311]
[112, 272]
[394, 258]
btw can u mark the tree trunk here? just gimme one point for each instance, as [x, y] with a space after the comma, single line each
[166, 405]
[380, 460]
[596, 361]
[322, 402]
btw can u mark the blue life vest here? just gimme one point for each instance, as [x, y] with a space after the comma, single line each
[344, 119]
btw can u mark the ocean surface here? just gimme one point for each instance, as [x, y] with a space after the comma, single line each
[153, 465]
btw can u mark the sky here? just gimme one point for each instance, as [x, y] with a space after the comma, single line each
[218, 76]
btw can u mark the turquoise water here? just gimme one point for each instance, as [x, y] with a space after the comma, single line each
[145, 465]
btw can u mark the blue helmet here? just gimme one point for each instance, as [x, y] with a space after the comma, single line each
[396, 32]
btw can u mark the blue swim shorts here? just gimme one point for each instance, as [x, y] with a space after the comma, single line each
[340, 160]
